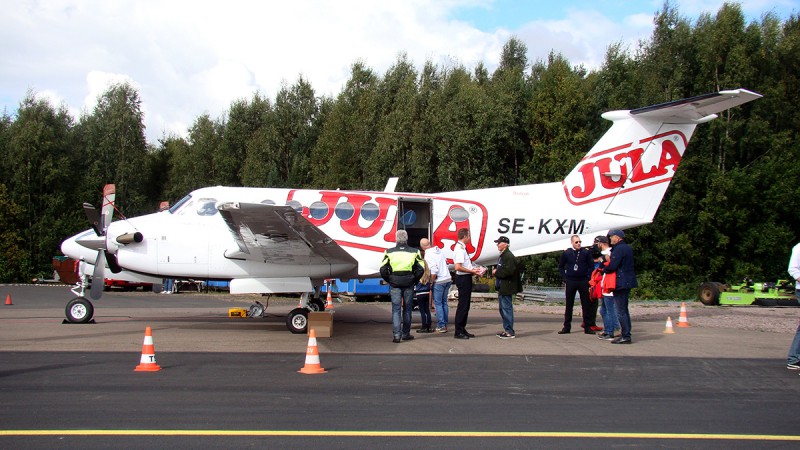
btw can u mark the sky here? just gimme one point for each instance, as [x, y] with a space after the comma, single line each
[192, 57]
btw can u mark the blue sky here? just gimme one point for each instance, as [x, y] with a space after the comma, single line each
[513, 14]
[190, 57]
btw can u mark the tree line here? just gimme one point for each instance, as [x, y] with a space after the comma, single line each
[730, 212]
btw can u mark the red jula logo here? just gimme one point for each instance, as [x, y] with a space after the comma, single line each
[625, 168]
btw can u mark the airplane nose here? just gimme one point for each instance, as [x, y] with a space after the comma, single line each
[80, 245]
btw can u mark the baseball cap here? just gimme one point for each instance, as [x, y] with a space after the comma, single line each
[502, 239]
[619, 233]
[601, 239]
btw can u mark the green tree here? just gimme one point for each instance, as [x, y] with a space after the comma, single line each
[116, 146]
[424, 159]
[348, 135]
[42, 168]
[509, 94]
[397, 108]
[295, 133]
[557, 116]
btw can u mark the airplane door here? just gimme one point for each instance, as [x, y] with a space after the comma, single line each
[414, 215]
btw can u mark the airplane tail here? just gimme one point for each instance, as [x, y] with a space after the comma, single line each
[631, 166]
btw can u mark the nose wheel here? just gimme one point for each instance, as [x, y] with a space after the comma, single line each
[79, 310]
[297, 320]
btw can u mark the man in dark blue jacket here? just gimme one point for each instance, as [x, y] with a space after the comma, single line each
[621, 263]
[575, 266]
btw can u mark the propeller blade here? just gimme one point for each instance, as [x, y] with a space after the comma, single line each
[109, 195]
[94, 218]
[98, 276]
[113, 265]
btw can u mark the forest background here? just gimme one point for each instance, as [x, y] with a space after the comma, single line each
[731, 211]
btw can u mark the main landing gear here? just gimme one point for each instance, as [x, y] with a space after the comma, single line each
[297, 320]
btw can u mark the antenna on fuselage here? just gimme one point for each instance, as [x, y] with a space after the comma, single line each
[391, 184]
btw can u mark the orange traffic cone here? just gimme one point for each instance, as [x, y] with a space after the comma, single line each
[312, 356]
[8, 300]
[668, 329]
[148, 361]
[682, 321]
[329, 301]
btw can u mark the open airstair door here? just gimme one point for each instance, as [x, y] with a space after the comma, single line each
[414, 215]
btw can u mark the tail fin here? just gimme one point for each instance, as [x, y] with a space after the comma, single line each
[631, 166]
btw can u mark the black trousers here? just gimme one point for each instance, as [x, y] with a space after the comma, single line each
[582, 288]
[464, 285]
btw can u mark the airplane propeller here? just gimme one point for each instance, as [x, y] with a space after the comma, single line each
[99, 222]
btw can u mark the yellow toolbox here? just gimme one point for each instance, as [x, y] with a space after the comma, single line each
[237, 312]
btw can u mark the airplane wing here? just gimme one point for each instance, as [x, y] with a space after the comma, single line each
[280, 235]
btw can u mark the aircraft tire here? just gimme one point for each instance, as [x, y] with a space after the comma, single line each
[316, 304]
[297, 320]
[79, 310]
[708, 293]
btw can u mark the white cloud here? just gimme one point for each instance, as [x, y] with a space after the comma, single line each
[190, 57]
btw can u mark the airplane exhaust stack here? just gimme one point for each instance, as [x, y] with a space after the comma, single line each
[129, 238]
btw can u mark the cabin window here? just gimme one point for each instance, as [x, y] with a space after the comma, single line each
[458, 214]
[318, 210]
[295, 205]
[344, 211]
[370, 211]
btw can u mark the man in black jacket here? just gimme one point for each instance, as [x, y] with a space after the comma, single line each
[508, 284]
[621, 263]
[402, 267]
[575, 267]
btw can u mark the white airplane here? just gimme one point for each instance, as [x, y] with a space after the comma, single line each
[266, 240]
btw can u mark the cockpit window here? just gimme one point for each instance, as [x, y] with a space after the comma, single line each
[206, 206]
[174, 209]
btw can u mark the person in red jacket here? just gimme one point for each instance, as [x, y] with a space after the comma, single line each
[603, 289]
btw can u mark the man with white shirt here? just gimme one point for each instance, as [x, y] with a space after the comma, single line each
[465, 270]
[440, 280]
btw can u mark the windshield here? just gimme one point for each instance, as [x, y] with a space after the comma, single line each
[174, 209]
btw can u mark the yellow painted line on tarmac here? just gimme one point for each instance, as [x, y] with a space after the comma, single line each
[356, 433]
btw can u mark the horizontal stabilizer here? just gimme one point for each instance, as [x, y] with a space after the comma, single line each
[694, 109]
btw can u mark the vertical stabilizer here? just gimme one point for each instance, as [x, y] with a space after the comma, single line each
[630, 167]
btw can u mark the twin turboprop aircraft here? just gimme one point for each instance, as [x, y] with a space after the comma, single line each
[266, 240]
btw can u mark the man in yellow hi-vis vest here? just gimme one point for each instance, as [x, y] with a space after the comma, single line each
[402, 267]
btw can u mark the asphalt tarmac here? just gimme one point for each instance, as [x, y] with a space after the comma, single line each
[233, 383]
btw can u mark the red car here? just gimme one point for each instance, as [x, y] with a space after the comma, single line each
[127, 285]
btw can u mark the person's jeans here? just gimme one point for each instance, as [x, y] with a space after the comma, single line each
[608, 312]
[440, 291]
[402, 299]
[506, 306]
[794, 350]
[424, 305]
[621, 303]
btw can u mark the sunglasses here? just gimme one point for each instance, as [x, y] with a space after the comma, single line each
[576, 242]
